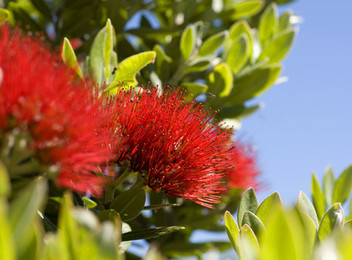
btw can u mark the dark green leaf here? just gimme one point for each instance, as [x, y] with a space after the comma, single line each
[149, 233]
[318, 197]
[254, 222]
[306, 206]
[129, 204]
[332, 219]
[42, 8]
[236, 111]
[248, 202]
[266, 208]
[253, 83]
[343, 186]
[160, 206]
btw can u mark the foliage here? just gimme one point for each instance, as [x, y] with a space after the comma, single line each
[223, 53]
[309, 230]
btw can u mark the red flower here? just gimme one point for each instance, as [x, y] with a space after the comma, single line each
[245, 172]
[175, 144]
[44, 99]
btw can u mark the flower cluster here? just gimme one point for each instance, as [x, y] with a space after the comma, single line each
[175, 144]
[43, 98]
[245, 172]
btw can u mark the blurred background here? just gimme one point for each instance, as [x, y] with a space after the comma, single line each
[305, 124]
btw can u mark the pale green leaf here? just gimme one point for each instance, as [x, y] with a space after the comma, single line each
[4, 15]
[328, 185]
[232, 229]
[240, 9]
[213, 43]
[128, 68]
[318, 197]
[187, 42]
[4, 182]
[306, 206]
[220, 80]
[238, 54]
[332, 219]
[69, 57]
[7, 246]
[195, 88]
[254, 222]
[277, 48]
[284, 21]
[343, 186]
[268, 24]
[268, 206]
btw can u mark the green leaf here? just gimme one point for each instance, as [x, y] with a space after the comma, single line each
[232, 229]
[149, 233]
[284, 21]
[187, 42]
[266, 208]
[236, 111]
[332, 219]
[41, 6]
[306, 206]
[235, 31]
[343, 186]
[4, 16]
[161, 59]
[248, 202]
[239, 53]
[7, 246]
[253, 83]
[268, 24]
[69, 57]
[254, 222]
[318, 197]
[24, 210]
[4, 182]
[239, 9]
[328, 185]
[108, 214]
[284, 237]
[100, 62]
[212, 44]
[128, 68]
[247, 236]
[182, 249]
[129, 203]
[194, 88]
[89, 203]
[277, 48]
[220, 80]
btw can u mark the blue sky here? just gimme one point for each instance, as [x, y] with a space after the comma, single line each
[306, 122]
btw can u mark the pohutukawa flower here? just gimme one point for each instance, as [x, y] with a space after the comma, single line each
[245, 172]
[43, 101]
[175, 144]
